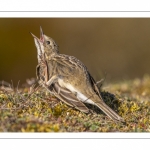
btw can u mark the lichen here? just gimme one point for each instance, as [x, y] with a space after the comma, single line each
[39, 111]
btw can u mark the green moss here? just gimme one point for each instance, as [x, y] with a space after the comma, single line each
[41, 112]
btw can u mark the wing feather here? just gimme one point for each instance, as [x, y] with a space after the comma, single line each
[69, 98]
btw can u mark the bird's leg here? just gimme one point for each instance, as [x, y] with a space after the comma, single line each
[46, 87]
[52, 80]
[49, 83]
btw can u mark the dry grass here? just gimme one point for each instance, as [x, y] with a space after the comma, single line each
[35, 110]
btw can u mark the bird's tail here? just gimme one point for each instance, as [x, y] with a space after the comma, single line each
[109, 112]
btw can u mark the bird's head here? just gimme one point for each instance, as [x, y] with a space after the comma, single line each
[45, 45]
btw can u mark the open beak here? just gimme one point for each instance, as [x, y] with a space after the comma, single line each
[35, 36]
[41, 36]
[39, 43]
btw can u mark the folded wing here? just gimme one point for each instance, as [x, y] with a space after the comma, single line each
[68, 97]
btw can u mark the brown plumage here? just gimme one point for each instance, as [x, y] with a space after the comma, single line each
[68, 78]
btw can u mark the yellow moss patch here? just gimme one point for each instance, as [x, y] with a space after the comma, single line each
[42, 112]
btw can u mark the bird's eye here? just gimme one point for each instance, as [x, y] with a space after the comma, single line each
[47, 42]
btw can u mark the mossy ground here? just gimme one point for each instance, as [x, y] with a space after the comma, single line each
[26, 111]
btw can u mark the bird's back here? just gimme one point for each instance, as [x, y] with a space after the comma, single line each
[73, 74]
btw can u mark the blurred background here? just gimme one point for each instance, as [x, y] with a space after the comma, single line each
[118, 48]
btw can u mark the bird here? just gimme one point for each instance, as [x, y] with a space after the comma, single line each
[68, 78]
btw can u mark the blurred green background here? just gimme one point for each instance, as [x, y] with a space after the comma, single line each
[119, 47]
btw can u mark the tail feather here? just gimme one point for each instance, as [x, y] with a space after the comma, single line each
[109, 112]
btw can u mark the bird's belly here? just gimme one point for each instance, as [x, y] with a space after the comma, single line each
[79, 95]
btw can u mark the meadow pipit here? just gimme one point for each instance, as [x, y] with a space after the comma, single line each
[68, 78]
